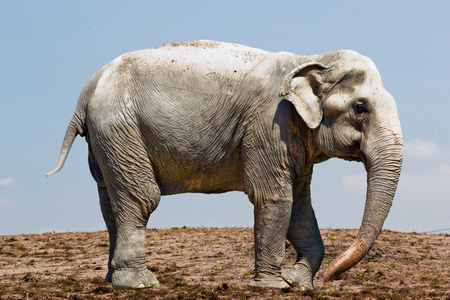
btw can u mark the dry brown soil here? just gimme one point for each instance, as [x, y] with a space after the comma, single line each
[217, 263]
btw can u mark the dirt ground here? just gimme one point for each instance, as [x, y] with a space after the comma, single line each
[217, 263]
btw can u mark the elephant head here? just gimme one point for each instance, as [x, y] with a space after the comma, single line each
[341, 98]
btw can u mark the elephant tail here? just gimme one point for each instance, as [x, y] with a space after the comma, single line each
[76, 126]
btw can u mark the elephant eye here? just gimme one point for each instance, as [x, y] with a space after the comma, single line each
[361, 108]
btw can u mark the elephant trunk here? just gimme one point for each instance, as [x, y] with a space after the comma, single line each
[383, 160]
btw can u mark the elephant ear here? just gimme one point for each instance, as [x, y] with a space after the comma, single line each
[302, 87]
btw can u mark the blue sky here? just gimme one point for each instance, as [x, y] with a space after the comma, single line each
[49, 49]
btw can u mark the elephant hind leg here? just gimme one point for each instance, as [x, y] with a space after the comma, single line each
[105, 206]
[132, 207]
[110, 221]
[130, 196]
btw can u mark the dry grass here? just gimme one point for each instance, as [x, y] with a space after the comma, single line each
[217, 263]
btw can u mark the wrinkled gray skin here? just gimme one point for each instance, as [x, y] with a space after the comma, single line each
[210, 117]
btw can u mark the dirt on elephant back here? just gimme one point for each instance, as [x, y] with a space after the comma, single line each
[217, 263]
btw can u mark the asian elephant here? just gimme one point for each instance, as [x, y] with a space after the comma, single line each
[212, 117]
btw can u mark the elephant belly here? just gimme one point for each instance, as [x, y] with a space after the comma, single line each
[193, 177]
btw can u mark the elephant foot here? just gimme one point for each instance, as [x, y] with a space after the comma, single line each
[299, 275]
[132, 279]
[268, 281]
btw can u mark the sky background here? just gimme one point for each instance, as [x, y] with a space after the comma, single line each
[49, 49]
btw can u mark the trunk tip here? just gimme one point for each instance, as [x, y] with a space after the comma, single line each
[348, 259]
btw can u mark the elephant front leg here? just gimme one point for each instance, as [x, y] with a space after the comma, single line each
[305, 236]
[271, 224]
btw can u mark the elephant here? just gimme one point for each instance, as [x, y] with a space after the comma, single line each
[212, 117]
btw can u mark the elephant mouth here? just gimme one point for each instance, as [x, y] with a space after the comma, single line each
[364, 160]
[353, 153]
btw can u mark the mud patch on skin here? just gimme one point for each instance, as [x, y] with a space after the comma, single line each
[195, 44]
[195, 184]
